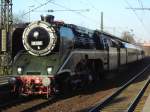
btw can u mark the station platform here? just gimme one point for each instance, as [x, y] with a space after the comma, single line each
[146, 107]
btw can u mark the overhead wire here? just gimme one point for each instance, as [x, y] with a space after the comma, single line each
[89, 3]
[140, 20]
[133, 11]
[39, 6]
[98, 11]
[78, 13]
[140, 3]
[93, 6]
[64, 7]
[57, 10]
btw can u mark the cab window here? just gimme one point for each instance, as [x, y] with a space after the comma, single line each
[67, 37]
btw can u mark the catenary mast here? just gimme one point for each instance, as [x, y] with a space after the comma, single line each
[5, 37]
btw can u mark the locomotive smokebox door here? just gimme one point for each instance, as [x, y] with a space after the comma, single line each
[39, 38]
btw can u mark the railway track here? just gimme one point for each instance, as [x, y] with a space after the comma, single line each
[21, 103]
[126, 97]
[78, 102]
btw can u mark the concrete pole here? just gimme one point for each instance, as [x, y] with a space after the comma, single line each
[102, 24]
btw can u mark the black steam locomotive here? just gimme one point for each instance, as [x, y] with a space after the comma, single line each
[53, 56]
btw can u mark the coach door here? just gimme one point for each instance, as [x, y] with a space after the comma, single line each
[113, 54]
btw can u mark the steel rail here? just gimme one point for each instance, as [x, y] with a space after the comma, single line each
[138, 97]
[103, 103]
[14, 101]
[9, 103]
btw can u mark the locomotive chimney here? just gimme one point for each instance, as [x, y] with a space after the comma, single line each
[48, 18]
[42, 18]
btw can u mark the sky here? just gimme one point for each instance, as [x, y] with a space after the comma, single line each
[117, 18]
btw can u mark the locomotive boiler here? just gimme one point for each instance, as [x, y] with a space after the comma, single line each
[59, 56]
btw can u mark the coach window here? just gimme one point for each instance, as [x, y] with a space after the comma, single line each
[67, 37]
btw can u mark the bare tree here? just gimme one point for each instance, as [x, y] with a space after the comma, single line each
[127, 36]
[18, 18]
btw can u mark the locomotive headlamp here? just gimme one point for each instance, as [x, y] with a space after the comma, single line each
[46, 81]
[19, 70]
[49, 70]
[12, 80]
[36, 34]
